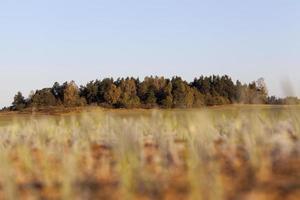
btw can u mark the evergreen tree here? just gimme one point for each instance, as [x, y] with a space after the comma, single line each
[128, 97]
[183, 96]
[150, 100]
[165, 97]
[43, 97]
[19, 102]
[151, 92]
[58, 92]
[90, 92]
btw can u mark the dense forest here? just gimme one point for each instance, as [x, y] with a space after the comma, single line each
[152, 92]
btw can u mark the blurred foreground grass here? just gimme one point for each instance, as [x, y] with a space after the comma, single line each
[234, 152]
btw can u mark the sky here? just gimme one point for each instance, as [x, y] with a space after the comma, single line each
[43, 41]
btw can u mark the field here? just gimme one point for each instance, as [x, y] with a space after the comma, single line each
[229, 152]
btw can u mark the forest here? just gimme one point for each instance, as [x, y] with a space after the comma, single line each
[152, 92]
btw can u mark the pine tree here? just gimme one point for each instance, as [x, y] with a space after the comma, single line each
[19, 102]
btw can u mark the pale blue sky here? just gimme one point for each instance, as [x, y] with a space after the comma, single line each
[43, 41]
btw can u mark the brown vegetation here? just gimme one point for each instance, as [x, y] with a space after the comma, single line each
[176, 155]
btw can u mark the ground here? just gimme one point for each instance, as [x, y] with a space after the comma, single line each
[228, 152]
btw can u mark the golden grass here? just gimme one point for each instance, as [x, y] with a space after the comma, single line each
[237, 152]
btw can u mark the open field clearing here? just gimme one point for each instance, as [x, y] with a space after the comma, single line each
[230, 152]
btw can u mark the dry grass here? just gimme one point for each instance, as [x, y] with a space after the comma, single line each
[221, 153]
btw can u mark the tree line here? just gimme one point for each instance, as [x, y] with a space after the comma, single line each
[152, 92]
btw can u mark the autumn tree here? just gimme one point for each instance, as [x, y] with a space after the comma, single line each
[112, 94]
[71, 95]
[253, 93]
[151, 92]
[262, 91]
